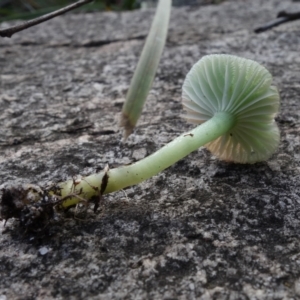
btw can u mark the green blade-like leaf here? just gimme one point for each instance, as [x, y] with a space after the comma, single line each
[144, 74]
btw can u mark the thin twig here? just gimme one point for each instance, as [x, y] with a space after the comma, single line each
[282, 17]
[8, 32]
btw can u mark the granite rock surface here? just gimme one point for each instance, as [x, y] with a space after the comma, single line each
[203, 229]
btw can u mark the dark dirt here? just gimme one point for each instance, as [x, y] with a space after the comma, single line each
[203, 229]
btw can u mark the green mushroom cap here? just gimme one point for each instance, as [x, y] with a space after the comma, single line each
[241, 87]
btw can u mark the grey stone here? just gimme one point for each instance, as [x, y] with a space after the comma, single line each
[203, 229]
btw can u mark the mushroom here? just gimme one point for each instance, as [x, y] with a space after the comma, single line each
[235, 104]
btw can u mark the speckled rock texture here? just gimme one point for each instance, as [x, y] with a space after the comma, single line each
[203, 229]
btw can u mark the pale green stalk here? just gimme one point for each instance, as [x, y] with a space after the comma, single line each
[145, 71]
[122, 177]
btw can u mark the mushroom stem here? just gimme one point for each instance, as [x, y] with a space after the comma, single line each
[125, 176]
